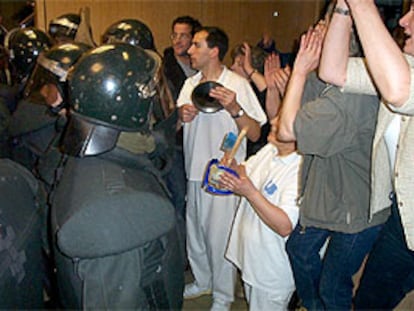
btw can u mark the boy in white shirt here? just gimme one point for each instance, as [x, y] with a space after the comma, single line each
[267, 213]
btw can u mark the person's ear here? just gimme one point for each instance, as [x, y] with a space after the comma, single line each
[214, 52]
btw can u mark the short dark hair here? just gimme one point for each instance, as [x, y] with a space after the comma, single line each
[192, 22]
[217, 38]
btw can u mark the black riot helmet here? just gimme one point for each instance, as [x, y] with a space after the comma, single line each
[64, 27]
[24, 47]
[53, 66]
[111, 89]
[130, 31]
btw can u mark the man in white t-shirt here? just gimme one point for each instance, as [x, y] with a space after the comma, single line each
[266, 215]
[209, 217]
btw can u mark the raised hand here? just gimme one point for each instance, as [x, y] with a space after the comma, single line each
[309, 53]
[272, 64]
[282, 77]
[247, 61]
[321, 28]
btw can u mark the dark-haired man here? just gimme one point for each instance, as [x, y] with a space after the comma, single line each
[209, 217]
[176, 62]
[177, 68]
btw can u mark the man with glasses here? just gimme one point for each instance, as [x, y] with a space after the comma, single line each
[177, 68]
[177, 65]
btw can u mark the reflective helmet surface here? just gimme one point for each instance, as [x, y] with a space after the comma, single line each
[130, 31]
[25, 46]
[114, 85]
[53, 66]
[64, 26]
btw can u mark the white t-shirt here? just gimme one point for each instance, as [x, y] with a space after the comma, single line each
[391, 135]
[204, 135]
[254, 248]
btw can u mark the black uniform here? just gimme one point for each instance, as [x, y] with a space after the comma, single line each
[114, 226]
[21, 266]
[34, 133]
[176, 179]
[116, 236]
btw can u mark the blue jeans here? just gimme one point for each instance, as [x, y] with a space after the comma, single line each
[389, 272]
[326, 284]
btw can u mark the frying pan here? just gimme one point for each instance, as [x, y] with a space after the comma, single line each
[204, 102]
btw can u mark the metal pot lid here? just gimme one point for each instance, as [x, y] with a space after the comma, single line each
[202, 100]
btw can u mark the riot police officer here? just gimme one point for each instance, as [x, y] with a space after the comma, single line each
[114, 226]
[23, 46]
[21, 261]
[38, 122]
[137, 33]
[40, 116]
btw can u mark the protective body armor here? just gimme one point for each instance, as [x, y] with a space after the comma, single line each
[116, 238]
[21, 265]
[34, 133]
[36, 127]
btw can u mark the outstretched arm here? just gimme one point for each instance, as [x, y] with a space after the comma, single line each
[306, 61]
[386, 62]
[335, 51]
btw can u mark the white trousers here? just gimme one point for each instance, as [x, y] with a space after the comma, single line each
[209, 219]
[260, 300]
